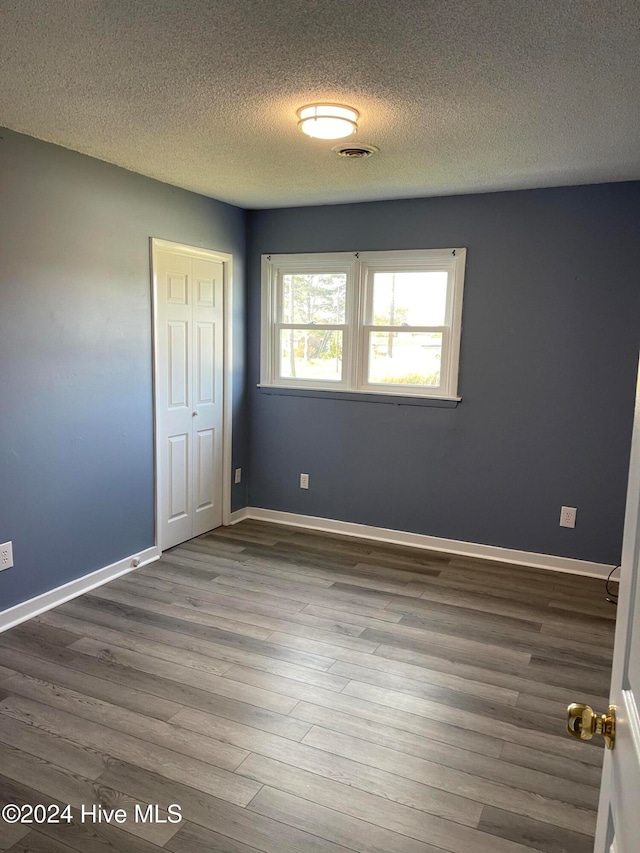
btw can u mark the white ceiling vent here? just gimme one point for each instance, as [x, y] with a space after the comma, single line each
[354, 151]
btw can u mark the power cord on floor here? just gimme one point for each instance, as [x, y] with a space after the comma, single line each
[612, 597]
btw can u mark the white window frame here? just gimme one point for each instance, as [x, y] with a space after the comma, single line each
[359, 268]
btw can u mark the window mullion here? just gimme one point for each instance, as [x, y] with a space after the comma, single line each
[360, 365]
[352, 335]
[408, 329]
[324, 326]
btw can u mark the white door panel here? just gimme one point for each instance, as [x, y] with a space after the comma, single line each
[205, 291]
[178, 470]
[177, 288]
[205, 472]
[178, 364]
[205, 363]
[189, 341]
[619, 812]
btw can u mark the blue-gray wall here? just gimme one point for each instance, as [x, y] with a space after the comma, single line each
[551, 329]
[549, 351]
[76, 428]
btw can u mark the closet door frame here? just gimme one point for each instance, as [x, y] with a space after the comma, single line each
[226, 259]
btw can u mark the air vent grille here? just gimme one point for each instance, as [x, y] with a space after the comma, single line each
[354, 152]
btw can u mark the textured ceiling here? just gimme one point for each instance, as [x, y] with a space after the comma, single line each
[459, 96]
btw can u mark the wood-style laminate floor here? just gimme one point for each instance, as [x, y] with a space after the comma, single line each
[296, 692]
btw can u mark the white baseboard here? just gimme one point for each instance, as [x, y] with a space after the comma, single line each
[239, 515]
[34, 606]
[432, 543]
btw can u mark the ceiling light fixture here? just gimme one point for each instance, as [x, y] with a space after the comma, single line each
[328, 121]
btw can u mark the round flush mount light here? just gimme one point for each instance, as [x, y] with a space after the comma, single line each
[328, 121]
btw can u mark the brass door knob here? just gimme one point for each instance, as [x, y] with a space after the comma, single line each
[583, 723]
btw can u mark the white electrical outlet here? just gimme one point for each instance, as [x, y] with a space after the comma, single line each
[568, 516]
[238, 477]
[6, 555]
[304, 481]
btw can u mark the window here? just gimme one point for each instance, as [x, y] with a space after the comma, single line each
[374, 322]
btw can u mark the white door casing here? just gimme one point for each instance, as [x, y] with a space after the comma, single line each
[192, 455]
[619, 809]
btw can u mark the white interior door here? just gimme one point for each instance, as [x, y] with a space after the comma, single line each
[189, 394]
[619, 813]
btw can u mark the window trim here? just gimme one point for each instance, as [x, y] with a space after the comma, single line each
[359, 268]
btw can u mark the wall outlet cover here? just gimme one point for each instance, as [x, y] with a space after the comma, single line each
[304, 481]
[6, 555]
[568, 516]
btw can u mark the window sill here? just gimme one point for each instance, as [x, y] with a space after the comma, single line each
[392, 399]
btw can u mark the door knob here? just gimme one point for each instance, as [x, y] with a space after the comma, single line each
[194, 414]
[583, 723]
